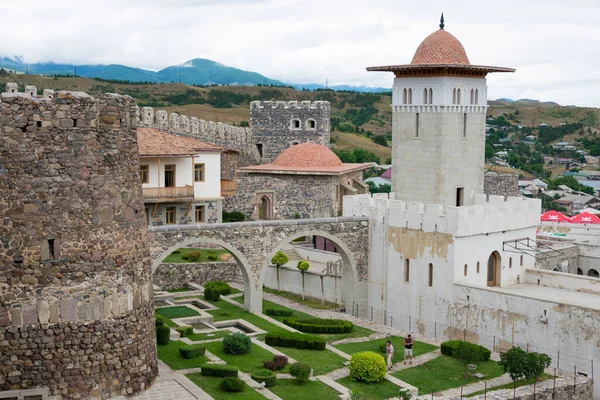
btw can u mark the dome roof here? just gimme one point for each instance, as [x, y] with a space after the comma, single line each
[440, 48]
[307, 155]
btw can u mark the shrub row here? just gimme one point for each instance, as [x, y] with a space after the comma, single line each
[276, 364]
[296, 340]
[192, 351]
[218, 370]
[450, 348]
[279, 313]
[266, 376]
[185, 331]
[222, 286]
[231, 384]
[163, 332]
[318, 325]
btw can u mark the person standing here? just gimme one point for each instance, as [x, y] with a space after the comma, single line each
[408, 344]
[389, 354]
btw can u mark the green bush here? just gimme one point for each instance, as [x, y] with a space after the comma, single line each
[279, 312]
[319, 325]
[185, 331]
[158, 322]
[194, 256]
[185, 257]
[212, 294]
[232, 385]
[233, 216]
[163, 335]
[277, 363]
[218, 370]
[192, 351]
[176, 251]
[279, 258]
[212, 257]
[300, 371]
[367, 366]
[303, 265]
[266, 376]
[297, 340]
[236, 343]
[450, 348]
[223, 287]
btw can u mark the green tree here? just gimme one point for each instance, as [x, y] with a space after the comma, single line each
[489, 151]
[467, 354]
[380, 140]
[536, 364]
[303, 266]
[278, 260]
[513, 362]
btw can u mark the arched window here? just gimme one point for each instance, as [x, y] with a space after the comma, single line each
[430, 275]
[510, 262]
[424, 96]
[476, 96]
[404, 96]
[477, 267]
[311, 124]
[409, 96]
[593, 273]
[458, 96]
[295, 142]
[579, 271]
[466, 269]
[295, 123]
[472, 96]
[430, 96]
[521, 261]
[454, 96]
[406, 270]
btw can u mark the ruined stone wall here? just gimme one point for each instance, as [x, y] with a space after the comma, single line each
[564, 390]
[273, 125]
[220, 134]
[310, 196]
[76, 312]
[176, 275]
[506, 185]
[563, 257]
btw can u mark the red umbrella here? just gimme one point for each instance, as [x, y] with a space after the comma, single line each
[585, 218]
[553, 216]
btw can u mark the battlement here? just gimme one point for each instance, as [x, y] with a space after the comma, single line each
[489, 214]
[257, 106]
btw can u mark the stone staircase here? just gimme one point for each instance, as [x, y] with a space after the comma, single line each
[293, 256]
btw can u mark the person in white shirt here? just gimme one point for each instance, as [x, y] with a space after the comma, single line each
[389, 353]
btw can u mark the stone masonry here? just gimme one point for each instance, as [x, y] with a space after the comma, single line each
[184, 213]
[506, 185]
[76, 312]
[177, 275]
[277, 125]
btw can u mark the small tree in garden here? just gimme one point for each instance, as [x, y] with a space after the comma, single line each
[303, 266]
[300, 371]
[513, 361]
[278, 260]
[536, 364]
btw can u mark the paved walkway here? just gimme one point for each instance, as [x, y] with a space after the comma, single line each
[171, 386]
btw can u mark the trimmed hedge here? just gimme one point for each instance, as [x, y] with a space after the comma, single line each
[319, 325]
[231, 384]
[279, 313]
[212, 294]
[367, 366]
[218, 370]
[237, 343]
[185, 331]
[223, 287]
[163, 335]
[266, 376]
[297, 340]
[158, 322]
[450, 348]
[192, 351]
[300, 371]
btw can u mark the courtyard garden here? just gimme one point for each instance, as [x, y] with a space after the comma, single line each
[188, 255]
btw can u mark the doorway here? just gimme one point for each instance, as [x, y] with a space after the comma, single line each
[169, 175]
[265, 208]
[493, 268]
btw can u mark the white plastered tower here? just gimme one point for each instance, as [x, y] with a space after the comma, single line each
[439, 105]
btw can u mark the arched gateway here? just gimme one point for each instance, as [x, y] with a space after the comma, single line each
[253, 244]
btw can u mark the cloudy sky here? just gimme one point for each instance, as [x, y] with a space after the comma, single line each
[553, 44]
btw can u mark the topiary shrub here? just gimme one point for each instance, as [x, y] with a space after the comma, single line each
[231, 384]
[192, 351]
[266, 376]
[218, 370]
[236, 343]
[223, 287]
[163, 335]
[158, 322]
[300, 371]
[303, 265]
[212, 294]
[367, 366]
[212, 257]
[279, 312]
[320, 325]
[176, 251]
[276, 364]
[185, 257]
[194, 256]
[279, 259]
[450, 348]
[296, 340]
[185, 331]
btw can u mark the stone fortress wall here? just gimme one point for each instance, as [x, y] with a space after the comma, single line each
[501, 184]
[277, 125]
[76, 311]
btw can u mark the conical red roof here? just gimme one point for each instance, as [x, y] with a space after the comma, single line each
[440, 47]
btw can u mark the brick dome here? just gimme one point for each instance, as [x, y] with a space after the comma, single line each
[440, 48]
[307, 155]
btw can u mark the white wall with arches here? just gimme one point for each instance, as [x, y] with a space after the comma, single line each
[439, 91]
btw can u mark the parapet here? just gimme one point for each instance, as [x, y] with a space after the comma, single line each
[258, 106]
[489, 214]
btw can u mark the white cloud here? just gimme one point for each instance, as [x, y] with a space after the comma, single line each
[554, 45]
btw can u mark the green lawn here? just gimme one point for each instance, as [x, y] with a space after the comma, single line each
[229, 311]
[177, 312]
[211, 386]
[289, 389]
[308, 301]
[164, 319]
[205, 253]
[525, 382]
[248, 362]
[178, 290]
[381, 390]
[169, 354]
[204, 336]
[321, 362]
[397, 341]
[444, 373]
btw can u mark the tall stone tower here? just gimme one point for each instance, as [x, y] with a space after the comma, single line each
[76, 312]
[439, 104]
[278, 125]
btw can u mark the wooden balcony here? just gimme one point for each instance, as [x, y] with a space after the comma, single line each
[168, 194]
[228, 187]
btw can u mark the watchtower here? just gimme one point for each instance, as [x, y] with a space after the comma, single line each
[439, 104]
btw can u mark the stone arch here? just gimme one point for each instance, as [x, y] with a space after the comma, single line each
[311, 124]
[593, 273]
[350, 277]
[265, 207]
[249, 281]
[494, 269]
[295, 124]
[579, 271]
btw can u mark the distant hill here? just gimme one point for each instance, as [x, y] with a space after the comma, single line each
[363, 89]
[198, 71]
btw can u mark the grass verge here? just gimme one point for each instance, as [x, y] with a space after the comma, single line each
[308, 301]
[169, 354]
[383, 389]
[248, 362]
[176, 312]
[204, 254]
[211, 386]
[511, 385]
[289, 389]
[321, 362]
[397, 341]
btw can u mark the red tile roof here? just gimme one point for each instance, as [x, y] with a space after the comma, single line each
[440, 47]
[387, 174]
[154, 142]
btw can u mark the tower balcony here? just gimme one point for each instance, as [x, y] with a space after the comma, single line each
[228, 187]
[168, 194]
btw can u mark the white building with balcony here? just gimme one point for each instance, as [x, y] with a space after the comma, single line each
[181, 178]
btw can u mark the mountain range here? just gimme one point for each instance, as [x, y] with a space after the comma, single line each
[198, 71]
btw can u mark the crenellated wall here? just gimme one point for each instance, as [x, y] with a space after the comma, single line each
[76, 311]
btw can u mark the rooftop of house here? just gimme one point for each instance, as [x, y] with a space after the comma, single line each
[307, 158]
[154, 143]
